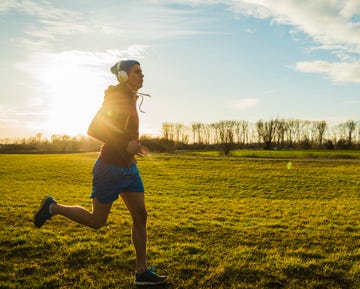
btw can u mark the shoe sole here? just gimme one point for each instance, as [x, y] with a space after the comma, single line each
[41, 207]
[149, 283]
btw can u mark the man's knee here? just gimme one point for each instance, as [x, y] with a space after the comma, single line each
[97, 224]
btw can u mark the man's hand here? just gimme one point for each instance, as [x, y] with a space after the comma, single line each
[135, 148]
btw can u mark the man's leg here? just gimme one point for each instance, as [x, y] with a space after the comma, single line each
[95, 219]
[135, 202]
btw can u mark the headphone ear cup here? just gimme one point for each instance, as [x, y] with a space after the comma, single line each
[122, 76]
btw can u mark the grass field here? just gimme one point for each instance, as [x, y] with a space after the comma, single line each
[214, 222]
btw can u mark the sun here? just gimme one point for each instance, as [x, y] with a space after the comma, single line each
[73, 93]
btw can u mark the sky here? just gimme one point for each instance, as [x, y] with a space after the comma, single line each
[203, 61]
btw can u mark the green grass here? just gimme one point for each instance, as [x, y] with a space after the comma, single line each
[286, 154]
[214, 222]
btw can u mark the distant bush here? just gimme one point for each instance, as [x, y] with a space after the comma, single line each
[160, 145]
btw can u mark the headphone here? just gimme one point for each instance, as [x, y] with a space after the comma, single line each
[122, 74]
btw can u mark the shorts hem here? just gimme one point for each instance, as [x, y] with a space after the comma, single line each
[101, 200]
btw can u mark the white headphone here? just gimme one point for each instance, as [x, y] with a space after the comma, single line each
[121, 75]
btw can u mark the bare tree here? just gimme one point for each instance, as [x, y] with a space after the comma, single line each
[282, 132]
[216, 132]
[225, 131]
[320, 127]
[292, 132]
[179, 129]
[203, 133]
[341, 131]
[281, 128]
[38, 137]
[266, 131]
[350, 126]
[168, 131]
[357, 135]
[241, 131]
[198, 130]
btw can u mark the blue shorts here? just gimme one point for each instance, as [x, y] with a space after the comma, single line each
[110, 180]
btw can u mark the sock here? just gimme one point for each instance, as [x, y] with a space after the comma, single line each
[50, 207]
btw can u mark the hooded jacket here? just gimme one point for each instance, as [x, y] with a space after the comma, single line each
[115, 124]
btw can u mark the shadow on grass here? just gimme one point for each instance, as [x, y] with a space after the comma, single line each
[316, 273]
[242, 277]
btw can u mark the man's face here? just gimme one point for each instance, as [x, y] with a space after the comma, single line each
[135, 77]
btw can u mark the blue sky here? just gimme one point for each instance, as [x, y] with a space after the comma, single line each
[203, 61]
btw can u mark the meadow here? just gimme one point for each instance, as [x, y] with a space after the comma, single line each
[252, 220]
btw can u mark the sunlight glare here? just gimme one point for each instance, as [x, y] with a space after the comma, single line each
[74, 92]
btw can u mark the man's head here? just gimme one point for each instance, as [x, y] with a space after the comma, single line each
[129, 72]
[122, 69]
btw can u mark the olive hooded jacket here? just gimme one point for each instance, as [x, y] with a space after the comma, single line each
[115, 124]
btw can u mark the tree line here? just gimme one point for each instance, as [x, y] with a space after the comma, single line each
[224, 135]
[271, 134]
[57, 143]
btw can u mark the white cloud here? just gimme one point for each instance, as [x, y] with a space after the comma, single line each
[40, 9]
[52, 28]
[339, 72]
[245, 103]
[39, 63]
[332, 25]
[327, 22]
[47, 23]
[249, 30]
[6, 5]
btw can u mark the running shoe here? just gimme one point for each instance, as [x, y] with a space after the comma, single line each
[149, 277]
[43, 213]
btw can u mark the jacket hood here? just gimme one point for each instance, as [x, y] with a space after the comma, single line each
[116, 93]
